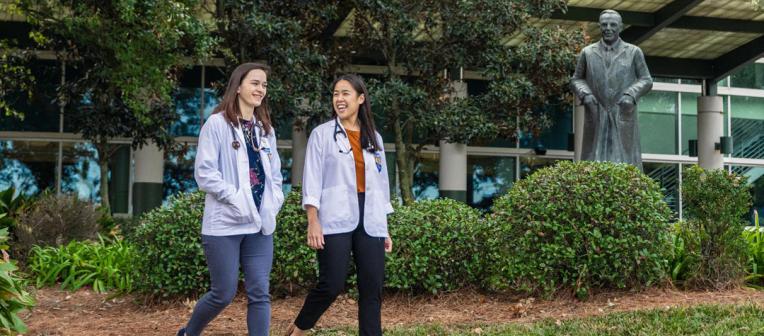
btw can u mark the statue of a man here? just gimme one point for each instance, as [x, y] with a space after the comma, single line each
[610, 77]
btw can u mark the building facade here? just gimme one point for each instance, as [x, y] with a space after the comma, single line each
[41, 153]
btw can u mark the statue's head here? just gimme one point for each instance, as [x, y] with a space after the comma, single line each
[611, 25]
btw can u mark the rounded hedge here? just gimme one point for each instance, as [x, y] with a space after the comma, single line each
[436, 246]
[577, 226]
[170, 259]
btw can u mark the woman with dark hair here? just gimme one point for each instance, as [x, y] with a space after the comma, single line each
[346, 194]
[237, 165]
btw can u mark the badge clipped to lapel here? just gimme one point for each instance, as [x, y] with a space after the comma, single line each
[378, 161]
[266, 148]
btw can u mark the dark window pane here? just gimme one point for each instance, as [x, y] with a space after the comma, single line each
[426, 177]
[750, 76]
[658, 122]
[747, 127]
[755, 178]
[488, 178]
[80, 172]
[179, 171]
[667, 176]
[530, 164]
[41, 112]
[28, 166]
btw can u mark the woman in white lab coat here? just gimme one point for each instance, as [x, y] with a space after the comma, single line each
[346, 194]
[237, 165]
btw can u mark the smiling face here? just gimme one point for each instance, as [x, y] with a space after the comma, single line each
[346, 100]
[252, 89]
[610, 26]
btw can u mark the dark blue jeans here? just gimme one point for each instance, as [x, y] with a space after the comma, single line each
[224, 254]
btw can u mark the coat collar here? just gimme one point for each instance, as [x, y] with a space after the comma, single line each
[618, 47]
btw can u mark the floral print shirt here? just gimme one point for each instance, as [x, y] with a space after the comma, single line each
[256, 170]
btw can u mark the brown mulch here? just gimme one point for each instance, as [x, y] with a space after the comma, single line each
[87, 313]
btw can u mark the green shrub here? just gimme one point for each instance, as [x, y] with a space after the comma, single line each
[11, 205]
[755, 239]
[103, 265]
[170, 258]
[13, 295]
[295, 268]
[437, 246]
[715, 204]
[577, 226]
[55, 220]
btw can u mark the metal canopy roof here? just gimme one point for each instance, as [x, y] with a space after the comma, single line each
[703, 39]
[699, 39]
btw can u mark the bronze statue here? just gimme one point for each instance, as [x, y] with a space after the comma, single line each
[610, 77]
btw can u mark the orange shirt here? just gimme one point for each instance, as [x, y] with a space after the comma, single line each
[360, 172]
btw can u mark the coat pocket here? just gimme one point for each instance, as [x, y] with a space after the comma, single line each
[335, 205]
[236, 212]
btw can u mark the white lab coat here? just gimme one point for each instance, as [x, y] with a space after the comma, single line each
[223, 173]
[329, 183]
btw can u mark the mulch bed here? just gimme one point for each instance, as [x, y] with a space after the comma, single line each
[87, 313]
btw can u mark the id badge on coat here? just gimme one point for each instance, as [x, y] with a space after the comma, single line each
[378, 161]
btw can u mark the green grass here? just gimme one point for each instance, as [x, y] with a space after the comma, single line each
[699, 320]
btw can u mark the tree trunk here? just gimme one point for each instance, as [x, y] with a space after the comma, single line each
[405, 171]
[103, 163]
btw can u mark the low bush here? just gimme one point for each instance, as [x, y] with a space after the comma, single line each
[577, 226]
[716, 203]
[170, 258]
[105, 265]
[13, 295]
[754, 237]
[11, 206]
[295, 268]
[55, 220]
[437, 246]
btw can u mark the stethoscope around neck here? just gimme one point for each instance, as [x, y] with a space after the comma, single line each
[341, 145]
[235, 143]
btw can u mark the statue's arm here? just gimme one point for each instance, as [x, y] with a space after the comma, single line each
[644, 81]
[578, 82]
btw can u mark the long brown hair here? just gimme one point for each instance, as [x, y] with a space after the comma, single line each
[368, 130]
[229, 106]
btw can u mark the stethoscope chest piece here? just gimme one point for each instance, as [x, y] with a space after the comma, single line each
[235, 144]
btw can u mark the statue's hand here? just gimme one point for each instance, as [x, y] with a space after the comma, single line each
[590, 100]
[626, 103]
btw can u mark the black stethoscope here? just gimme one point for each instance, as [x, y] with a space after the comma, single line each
[346, 149]
[235, 143]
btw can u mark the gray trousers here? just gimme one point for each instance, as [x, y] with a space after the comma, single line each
[224, 254]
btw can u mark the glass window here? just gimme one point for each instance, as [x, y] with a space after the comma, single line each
[286, 169]
[747, 127]
[41, 111]
[556, 136]
[80, 172]
[750, 76]
[658, 122]
[179, 171]
[187, 105]
[488, 177]
[665, 80]
[28, 166]
[667, 176]
[755, 177]
[530, 164]
[425, 184]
